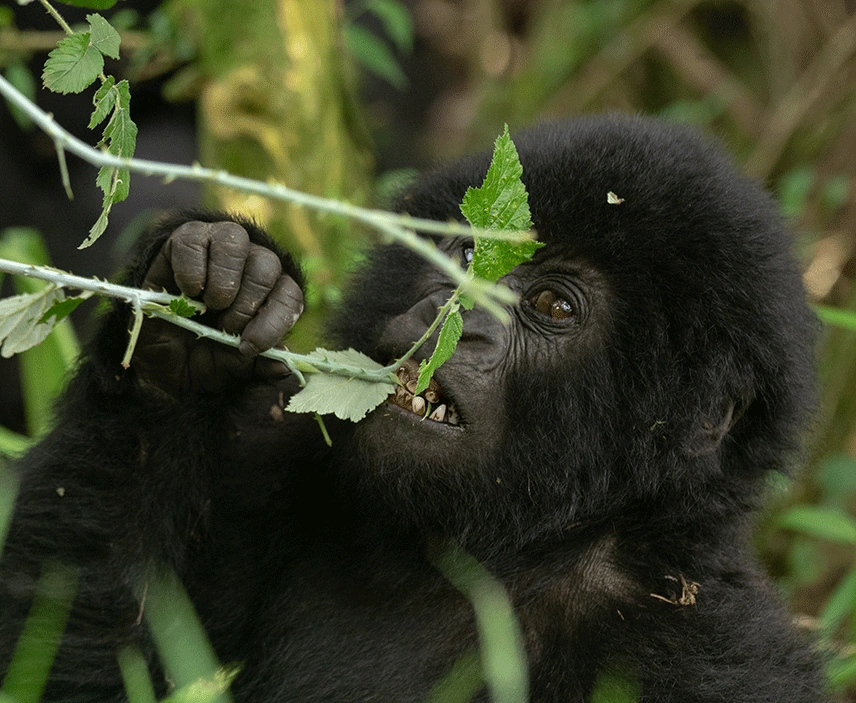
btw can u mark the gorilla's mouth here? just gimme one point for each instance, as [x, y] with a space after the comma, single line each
[432, 403]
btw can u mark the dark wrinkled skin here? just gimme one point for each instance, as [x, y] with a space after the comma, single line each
[605, 467]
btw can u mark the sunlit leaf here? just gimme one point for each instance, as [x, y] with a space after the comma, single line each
[103, 37]
[501, 203]
[347, 398]
[20, 315]
[73, 66]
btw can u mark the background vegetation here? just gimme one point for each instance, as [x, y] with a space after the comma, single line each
[342, 99]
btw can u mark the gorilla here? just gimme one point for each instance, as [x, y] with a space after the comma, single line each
[602, 454]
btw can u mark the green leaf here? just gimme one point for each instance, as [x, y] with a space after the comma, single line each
[20, 76]
[135, 676]
[103, 37]
[841, 672]
[104, 101]
[182, 307]
[397, 22]
[347, 398]
[62, 309]
[450, 333]
[836, 316]
[73, 66]
[98, 228]
[11, 444]
[830, 524]
[90, 4]
[43, 368]
[182, 644]
[373, 55]
[501, 203]
[840, 603]
[39, 642]
[20, 328]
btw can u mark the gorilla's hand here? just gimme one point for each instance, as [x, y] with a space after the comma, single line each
[246, 292]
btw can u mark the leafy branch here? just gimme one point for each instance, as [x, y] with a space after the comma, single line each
[346, 382]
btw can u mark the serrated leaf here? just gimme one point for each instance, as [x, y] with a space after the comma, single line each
[104, 101]
[121, 132]
[102, 36]
[20, 315]
[98, 228]
[501, 203]
[830, 524]
[397, 22]
[347, 398]
[73, 66]
[182, 307]
[62, 309]
[373, 55]
[90, 4]
[450, 333]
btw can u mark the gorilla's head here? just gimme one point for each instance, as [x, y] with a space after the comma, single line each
[661, 352]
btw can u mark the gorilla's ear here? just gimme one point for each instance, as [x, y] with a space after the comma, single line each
[711, 429]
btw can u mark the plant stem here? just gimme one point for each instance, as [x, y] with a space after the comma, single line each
[402, 228]
[153, 302]
[60, 21]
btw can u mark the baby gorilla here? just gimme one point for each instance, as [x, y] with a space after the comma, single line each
[601, 454]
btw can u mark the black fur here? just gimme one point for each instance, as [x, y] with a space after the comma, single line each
[604, 465]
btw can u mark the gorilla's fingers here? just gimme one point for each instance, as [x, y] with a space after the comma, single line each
[276, 317]
[227, 252]
[160, 275]
[187, 250]
[261, 272]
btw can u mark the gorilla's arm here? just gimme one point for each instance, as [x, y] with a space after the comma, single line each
[132, 476]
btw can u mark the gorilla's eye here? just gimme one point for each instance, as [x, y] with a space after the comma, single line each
[548, 303]
[467, 253]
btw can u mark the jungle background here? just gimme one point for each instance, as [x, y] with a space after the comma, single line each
[346, 99]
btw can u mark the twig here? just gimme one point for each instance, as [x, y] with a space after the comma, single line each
[155, 304]
[399, 227]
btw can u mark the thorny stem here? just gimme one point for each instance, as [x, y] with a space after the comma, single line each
[401, 228]
[154, 303]
[60, 21]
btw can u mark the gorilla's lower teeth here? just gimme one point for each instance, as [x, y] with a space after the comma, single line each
[418, 405]
[452, 416]
[439, 414]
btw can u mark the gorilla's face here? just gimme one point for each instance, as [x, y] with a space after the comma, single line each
[660, 349]
[469, 428]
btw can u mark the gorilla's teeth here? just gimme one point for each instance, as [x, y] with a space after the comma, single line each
[411, 386]
[439, 414]
[418, 405]
[432, 396]
[403, 374]
[402, 397]
[452, 415]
